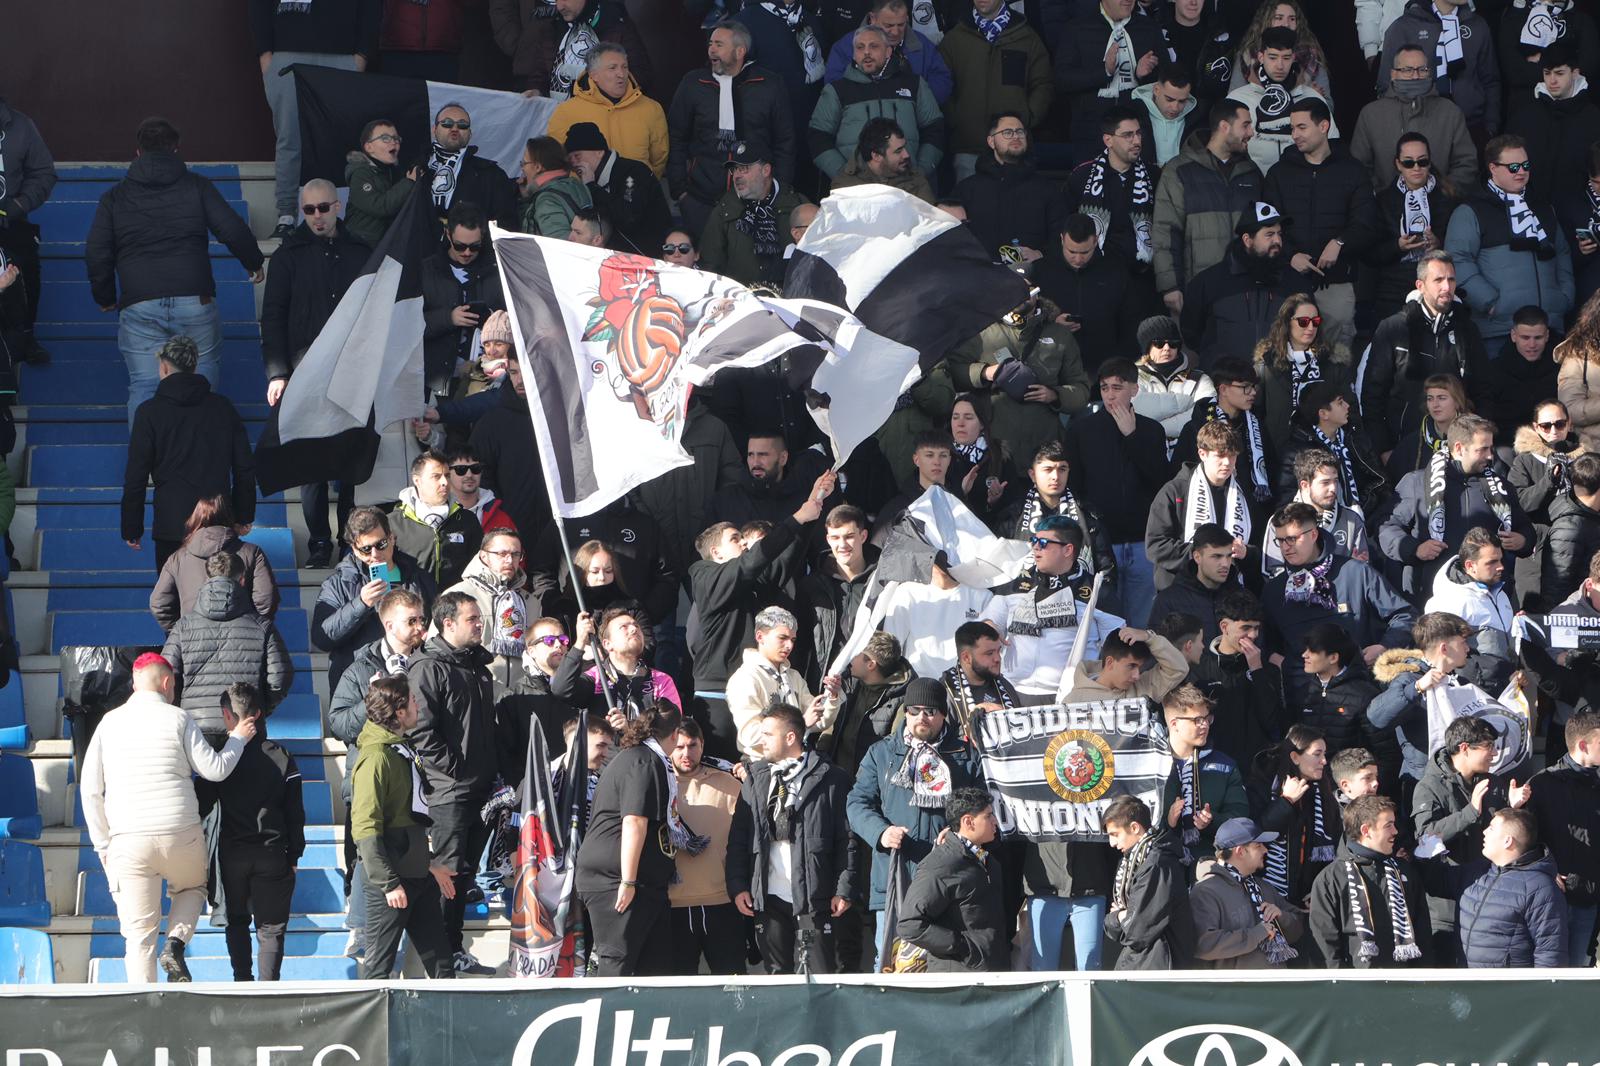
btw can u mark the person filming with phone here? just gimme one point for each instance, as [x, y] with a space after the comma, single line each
[345, 618]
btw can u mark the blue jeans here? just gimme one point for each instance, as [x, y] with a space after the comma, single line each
[142, 329]
[1136, 583]
[1049, 915]
[1580, 930]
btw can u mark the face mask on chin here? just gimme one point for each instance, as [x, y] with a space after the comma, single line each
[1411, 88]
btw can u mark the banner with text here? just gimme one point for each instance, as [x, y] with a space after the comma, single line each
[1053, 770]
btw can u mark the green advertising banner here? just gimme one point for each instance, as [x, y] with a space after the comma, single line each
[1342, 1023]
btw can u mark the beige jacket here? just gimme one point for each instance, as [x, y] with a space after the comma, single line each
[1170, 670]
[750, 689]
[1578, 386]
[706, 799]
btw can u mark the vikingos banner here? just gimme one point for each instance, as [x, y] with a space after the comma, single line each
[1053, 770]
[1351, 1023]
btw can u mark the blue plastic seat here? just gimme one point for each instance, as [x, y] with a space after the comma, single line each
[13, 717]
[26, 957]
[19, 801]
[22, 895]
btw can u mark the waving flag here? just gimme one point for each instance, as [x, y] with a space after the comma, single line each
[544, 941]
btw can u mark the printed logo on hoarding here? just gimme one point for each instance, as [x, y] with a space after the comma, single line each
[1215, 1045]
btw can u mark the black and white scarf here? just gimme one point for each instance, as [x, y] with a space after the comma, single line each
[1394, 884]
[633, 692]
[1096, 202]
[977, 851]
[1339, 445]
[1272, 110]
[1417, 213]
[1524, 222]
[1304, 368]
[445, 166]
[1438, 478]
[1449, 49]
[1260, 484]
[1319, 841]
[966, 701]
[506, 625]
[784, 799]
[975, 451]
[572, 57]
[294, 7]
[793, 16]
[779, 675]
[1198, 508]
[923, 771]
[1545, 24]
[1189, 790]
[683, 838]
[1310, 584]
[759, 222]
[1132, 859]
[727, 123]
[1275, 948]
[1121, 79]
[1594, 205]
[1033, 510]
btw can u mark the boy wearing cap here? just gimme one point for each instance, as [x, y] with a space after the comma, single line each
[744, 238]
[1240, 921]
[1230, 305]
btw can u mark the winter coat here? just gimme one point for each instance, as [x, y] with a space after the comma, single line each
[955, 911]
[377, 192]
[1045, 347]
[191, 443]
[636, 553]
[261, 802]
[220, 642]
[1395, 275]
[777, 46]
[548, 209]
[1170, 397]
[1558, 135]
[1231, 305]
[1197, 206]
[696, 156]
[528, 704]
[877, 803]
[1582, 399]
[1572, 26]
[1442, 807]
[347, 708]
[1295, 823]
[185, 571]
[1186, 595]
[1164, 137]
[392, 844]
[444, 342]
[1372, 485]
[725, 249]
[531, 31]
[634, 127]
[1322, 202]
[455, 734]
[432, 27]
[1337, 708]
[1012, 203]
[1373, 19]
[341, 623]
[1474, 79]
[151, 234]
[307, 279]
[912, 181]
[1487, 608]
[25, 160]
[1408, 348]
[728, 596]
[1158, 931]
[1229, 934]
[920, 55]
[1334, 926]
[848, 104]
[478, 582]
[822, 852]
[1012, 74]
[503, 440]
[1248, 704]
[1399, 709]
[442, 552]
[1103, 297]
[1219, 785]
[1466, 505]
[1125, 474]
[1164, 542]
[867, 714]
[1566, 802]
[1515, 387]
[1080, 69]
[1381, 123]
[829, 601]
[1497, 274]
[1515, 916]
[632, 198]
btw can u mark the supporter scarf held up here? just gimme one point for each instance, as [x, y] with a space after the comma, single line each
[1275, 947]
[1339, 445]
[1096, 202]
[1314, 835]
[1188, 788]
[974, 451]
[1544, 24]
[923, 771]
[1304, 368]
[445, 166]
[1394, 884]
[1438, 479]
[965, 702]
[506, 627]
[1272, 112]
[793, 16]
[572, 57]
[1121, 79]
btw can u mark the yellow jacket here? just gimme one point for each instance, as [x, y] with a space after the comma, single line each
[635, 127]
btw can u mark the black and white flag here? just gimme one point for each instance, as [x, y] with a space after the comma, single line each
[362, 374]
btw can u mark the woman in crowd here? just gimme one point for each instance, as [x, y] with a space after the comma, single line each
[210, 530]
[981, 471]
[1446, 400]
[681, 248]
[1578, 383]
[1545, 449]
[1298, 802]
[1291, 356]
[594, 563]
[1413, 213]
[1169, 382]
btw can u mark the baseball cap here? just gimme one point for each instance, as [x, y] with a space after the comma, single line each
[1236, 832]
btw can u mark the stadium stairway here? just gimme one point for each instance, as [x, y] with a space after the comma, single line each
[80, 584]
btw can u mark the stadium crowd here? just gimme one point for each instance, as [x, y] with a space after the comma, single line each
[1312, 397]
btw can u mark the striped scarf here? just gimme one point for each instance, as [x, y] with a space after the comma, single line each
[1394, 884]
[1315, 834]
[1260, 483]
[1096, 203]
[1033, 510]
[1275, 948]
[1339, 445]
[1131, 860]
[1188, 784]
[1434, 501]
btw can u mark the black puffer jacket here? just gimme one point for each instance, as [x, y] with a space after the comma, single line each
[829, 601]
[307, 279]
[696, 158]
[1186, 595]
[1515, 916]
[1335, 928]
[1012, 203]
[1230, 305]
[822, 851]
[1572, 542]
[220, 642]
[191, 443]
[1442, 806]
[1321, 202]
[1295, 824]
[1406, 350]
[1248, 704]
[341, 623]
[1533, 474]
[956, 912]
[1396, 274]
[1559, 133]
[1157, 932]
[1339, 709]
[150, 234]
[455, 735]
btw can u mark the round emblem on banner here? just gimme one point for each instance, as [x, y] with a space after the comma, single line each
[1225, 1045]
[1079, 766]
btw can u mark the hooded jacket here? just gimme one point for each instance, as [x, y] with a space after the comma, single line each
[1198, 202]
[1480, 605]
[220, 642]
[342, 623]
[191, 443]
[392, 843]
[1229, 934]
[1168, 673]
[823, 855]
[1157, 932]
[1334, 926]
[151, 234]
[1164, 137]
[443, 551]
[955, 911]
[185, 572]
[876, 803]
[1407, 348]
[30, 172]
[1473, 81]
[1399, 708]
[1381, 123]
[1569, 547]
[1442, 806]
[377, 192]
[1497, 273]
[1012, 74]
[848, 104]
[1168, 394]
[549, 207]
[308, 277]
[696, 150]
[455, 733]
[1012, 203]
[1515, 916]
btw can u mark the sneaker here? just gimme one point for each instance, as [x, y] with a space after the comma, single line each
[355, 946]
[171, 961]
[319, 555]
[466, 963]
[474, 894]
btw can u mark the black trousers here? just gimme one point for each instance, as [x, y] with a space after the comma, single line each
[782, 935]
[165, 549]
[635, 943]
[715, 933]
[458, 836]
[722, 736]
[20, 241]
[420, 918]
[257, 884]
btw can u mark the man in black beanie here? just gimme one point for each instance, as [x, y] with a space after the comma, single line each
[624, 189]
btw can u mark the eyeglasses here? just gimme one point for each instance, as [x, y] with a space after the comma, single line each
[1305, 322]
[318, 209]
[1242, 386]
[454, 124]
[682, 249]
[922, 712]
[368, 549]
[1551, 426]
[1411, 72]
[1285, 541]
[1410, 164]
[1014, 134]
[509, 553]
[1198, 719]
[1041, 542]
[1515, 168]
[458, 246]
[557, 640]
[386, 138]
[463, 469]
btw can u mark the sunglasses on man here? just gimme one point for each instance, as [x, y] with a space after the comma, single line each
[317, 209]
